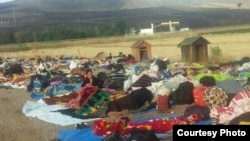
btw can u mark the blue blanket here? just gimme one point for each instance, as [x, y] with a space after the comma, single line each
[78, 135]
[63, 88]
[87, 134]
[36, 96]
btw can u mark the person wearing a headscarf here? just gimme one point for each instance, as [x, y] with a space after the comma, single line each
[130, 59]
[92, 80]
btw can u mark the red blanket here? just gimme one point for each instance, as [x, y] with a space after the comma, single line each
[103, 127]
[83, 96]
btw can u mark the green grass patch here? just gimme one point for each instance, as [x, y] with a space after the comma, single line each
[14, 48]
[232, 31]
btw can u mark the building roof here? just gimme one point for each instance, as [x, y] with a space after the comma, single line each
[138, 43]
[192, 40]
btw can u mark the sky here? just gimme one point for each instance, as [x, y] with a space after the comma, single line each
[2, 1]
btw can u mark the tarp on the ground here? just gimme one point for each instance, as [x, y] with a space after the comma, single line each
[230, 86]
[45, 112]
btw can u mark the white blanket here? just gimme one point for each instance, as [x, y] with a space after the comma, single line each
[45, 112]
[14, 86]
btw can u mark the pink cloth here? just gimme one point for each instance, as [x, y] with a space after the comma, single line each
[55, 82]
[83, 96]
[108, 90]
[72, 103]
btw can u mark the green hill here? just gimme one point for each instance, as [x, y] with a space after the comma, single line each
[46, 20]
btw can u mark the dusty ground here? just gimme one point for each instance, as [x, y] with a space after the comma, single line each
[13, 123]
[16, 127]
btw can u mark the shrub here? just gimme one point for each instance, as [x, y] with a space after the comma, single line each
[215, 54]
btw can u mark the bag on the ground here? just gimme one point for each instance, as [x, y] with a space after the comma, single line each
[139, 135]
[162, 103]
[203, 111]
[115, 136]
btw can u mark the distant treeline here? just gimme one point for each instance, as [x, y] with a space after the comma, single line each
[62, 32]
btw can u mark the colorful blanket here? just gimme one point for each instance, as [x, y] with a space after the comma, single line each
[88, 100]
[239, 105]
[94, 103]
[123, 125]
[86, 134]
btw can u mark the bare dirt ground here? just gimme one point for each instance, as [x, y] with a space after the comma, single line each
[13, 123]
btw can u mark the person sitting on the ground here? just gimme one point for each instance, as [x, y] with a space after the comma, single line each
[109, 57]
[122, 55]
[1, 60]
[39, 60]
[92, 80]
[130, 59]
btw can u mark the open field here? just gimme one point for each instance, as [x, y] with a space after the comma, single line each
[234, 45]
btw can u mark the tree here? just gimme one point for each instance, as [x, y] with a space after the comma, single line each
[6, 36]
[239, 4]
[120, 27]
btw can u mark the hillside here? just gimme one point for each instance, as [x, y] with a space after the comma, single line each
[91, 18]
[27, 13]
[100, 5]
[141, 18]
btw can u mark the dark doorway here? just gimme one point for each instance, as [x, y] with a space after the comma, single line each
[198, 53]
[143, 53]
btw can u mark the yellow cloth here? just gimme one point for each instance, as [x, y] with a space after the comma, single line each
[244, 123]
[190, 73]
[20, 83]
[117, 95]
[19, 79]
[93, 110]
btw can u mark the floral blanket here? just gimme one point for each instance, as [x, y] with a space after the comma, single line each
[239, 105]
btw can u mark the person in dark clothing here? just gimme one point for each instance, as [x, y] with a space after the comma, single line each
[1, 60]
[109, 57]
[183, 94]
[39, 60]
[167, 61]
[162, 65]
[92, 80]
[130, 59]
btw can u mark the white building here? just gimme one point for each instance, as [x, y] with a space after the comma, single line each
[184, 29]
[147, 31]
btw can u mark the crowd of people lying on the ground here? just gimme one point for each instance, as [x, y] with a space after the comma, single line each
[119, 86]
